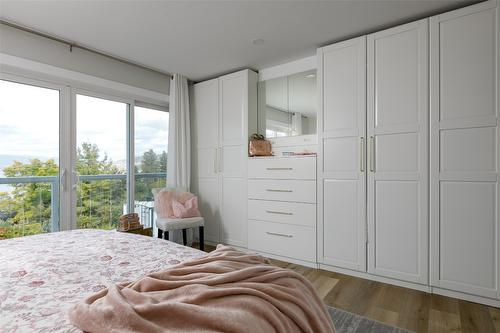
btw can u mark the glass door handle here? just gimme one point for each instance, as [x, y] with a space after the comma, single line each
[62, 180]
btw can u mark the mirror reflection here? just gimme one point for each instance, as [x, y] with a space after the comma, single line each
[287, 105]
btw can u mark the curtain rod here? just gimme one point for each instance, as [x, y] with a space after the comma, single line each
[74, 44]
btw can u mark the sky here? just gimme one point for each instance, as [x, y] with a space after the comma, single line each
[29, 124]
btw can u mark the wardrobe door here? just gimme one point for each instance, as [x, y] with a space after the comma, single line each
[205, 169]
[465, 150]
[233, 138]
[398, 152]
[342, 163]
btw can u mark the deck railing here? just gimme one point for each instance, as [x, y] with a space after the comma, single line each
[144, 208]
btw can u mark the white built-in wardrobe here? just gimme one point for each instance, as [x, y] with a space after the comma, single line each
[409, 154]
[223, 115]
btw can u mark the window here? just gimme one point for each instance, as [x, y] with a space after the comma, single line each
[29, 159]
[76, 165]
[101, 161]
[151, 148]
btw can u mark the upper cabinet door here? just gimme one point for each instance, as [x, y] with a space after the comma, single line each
[465, 150]
[398, 152]
[233, 96]
[205, 113]
[342, 164]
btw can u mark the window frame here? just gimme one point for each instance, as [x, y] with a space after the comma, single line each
[69, 84]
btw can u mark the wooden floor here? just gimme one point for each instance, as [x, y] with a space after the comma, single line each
[406, 308]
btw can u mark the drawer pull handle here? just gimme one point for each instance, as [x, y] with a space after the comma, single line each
[278, 234]
[286, 191]
[279, 168]
[275, 212]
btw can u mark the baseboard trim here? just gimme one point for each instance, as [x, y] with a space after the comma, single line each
[286, 259]
[467, 297]
[368, 276]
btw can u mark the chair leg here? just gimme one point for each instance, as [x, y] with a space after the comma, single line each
[160, 233]
[184, 237]
[202, 238]
[166, 235]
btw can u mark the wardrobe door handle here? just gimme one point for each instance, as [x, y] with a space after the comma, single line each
[271, 190]
[362, 155]
[280, 213]
[279, 168]
[372, 153]
[278, 234]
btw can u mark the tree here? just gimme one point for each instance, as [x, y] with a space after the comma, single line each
[26, 210]
[163, 162]
[100, 201]
[29, 203]
[149, 163]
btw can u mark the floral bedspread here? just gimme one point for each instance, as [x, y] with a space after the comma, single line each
[42, 276]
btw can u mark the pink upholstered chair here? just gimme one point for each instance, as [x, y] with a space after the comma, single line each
[166, 224]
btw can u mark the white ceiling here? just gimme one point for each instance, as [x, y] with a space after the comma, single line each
[201, 39]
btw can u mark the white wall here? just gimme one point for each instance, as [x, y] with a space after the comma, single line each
[26, 45]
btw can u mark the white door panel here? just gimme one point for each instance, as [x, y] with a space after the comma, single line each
[342, 164]
[396, 229]
[467, 51]
[233, 91]
[398, 152]
[465, 150]
[208, 192]
[468, 150]
[204, 111]
[341, 234]
[234, 211]
[205, 183]
[233, 161]
[341, 154]
[396, 81]
[468, 214]
[206, 162]
[341, 77]
[237, 115]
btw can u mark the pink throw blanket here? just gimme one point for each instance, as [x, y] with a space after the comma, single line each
[225, 291]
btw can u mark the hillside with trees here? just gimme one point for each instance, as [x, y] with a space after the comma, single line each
[26, 209]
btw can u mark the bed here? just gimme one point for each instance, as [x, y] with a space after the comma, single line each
[42, 276]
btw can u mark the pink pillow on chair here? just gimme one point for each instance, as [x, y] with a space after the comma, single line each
[188, 209]
[163, 203]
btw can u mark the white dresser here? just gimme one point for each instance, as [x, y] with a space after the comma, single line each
[282, 206]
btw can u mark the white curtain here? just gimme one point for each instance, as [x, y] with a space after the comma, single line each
[179, 143]
[179, 136]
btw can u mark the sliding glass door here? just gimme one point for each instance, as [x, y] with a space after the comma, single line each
[150, 162]
[29, 157]
[101, 161]
[76, 159]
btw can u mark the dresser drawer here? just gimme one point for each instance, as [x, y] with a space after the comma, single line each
[283, 212]
[282, 168]
[282, 190]
[282, 239]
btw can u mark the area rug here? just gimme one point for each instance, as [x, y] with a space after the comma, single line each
[347, 322]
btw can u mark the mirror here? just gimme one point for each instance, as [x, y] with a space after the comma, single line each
[287, 105]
